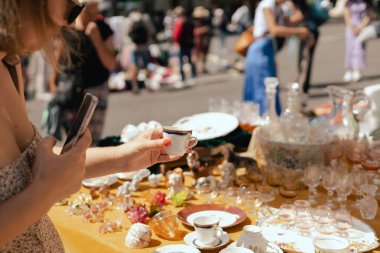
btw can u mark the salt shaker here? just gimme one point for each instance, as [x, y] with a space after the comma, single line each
[368, 204]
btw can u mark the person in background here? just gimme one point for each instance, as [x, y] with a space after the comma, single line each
[95, 59]
[183, 35]
[32, 175]
[357, 16]
[202, 36]
[139, 33]
[241, 18]
[169, 21]
[219, 23]
[260, 61]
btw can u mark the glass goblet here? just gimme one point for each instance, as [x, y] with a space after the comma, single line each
[302, 208]
[334, 150]
[287, 214]
[342, 222]
[204, 192]
[312, 177]
[345, 187]
[304, 224]
[330, 183]
[324, 218]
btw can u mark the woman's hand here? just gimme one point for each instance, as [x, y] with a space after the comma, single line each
[59, 176]
[145, 150]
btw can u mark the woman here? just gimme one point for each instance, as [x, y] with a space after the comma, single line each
[92, 65]
[261, 54]
[357, 16]
[32, 176]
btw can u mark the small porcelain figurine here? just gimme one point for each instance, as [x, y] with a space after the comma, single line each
[154, 180]
[138, 236]
[124, 189]
[228, 174]
[211, 180]
[252, 239]
[176, 184]
[137, 178]
[241, 162]
[192, 160]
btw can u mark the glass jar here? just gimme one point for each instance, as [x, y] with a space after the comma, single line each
[368, 204]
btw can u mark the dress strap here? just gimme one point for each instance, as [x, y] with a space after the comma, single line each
[11, 62]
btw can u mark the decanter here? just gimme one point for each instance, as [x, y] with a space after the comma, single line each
[348, 107]
[294, 124]
[270, 123]
[368, 204]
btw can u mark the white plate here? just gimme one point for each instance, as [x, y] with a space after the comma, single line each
[100, 181]
[177, 248]
[209, 125]
[271, 247]
[361, 236]
[225, 219]
[191, 239]
[126, 175]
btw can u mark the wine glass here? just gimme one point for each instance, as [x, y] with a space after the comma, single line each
[342, 222]
[354, 151]
[204, 192]
[287, 214]
[302, 208]
[252, 202]
[312, 177]
[324, 217]
[330, 183]
[344, 189]
[334, 150]
[371, 160]
[360, 178]
[304, 224]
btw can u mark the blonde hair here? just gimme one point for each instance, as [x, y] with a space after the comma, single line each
[10, 41]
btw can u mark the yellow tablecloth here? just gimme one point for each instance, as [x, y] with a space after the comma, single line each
[78, 236]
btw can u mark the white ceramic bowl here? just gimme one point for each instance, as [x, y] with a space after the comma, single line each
[330, 244]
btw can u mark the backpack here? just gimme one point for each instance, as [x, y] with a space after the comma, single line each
[139, 33]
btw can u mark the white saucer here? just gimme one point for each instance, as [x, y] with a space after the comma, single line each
[225, 219]
[178, 248]
[191, 239]
[100, 181]
[271, 247]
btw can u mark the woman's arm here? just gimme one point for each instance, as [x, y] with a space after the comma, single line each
[347, 18]
[103, 48]
[54, 178]
[282, 31]
[297, 17]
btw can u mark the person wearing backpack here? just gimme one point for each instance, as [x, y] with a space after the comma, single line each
[139, 35]
[183, 35]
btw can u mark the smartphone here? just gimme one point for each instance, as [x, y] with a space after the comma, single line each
[81, 121]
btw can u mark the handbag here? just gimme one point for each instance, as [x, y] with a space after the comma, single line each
[244, 41]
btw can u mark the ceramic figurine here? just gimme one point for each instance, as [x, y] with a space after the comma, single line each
[176, 184]
[138, 236]
[137, 178]
[211, 180]
[228, 174]
[252, 239]
[241, 162]
[124, 189]
[192, 160]
[154, 180]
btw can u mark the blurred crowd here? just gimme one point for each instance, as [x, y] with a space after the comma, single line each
[132, 52]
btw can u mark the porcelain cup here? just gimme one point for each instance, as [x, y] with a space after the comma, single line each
[330, 244]
[179, 140]
[207, 228]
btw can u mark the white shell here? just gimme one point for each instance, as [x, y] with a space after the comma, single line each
[138, 236]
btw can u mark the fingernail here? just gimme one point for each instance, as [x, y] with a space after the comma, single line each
[166, 142]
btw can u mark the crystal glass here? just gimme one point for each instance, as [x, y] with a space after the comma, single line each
[324, 218]
[230, 196]
[312, 177]
[368, 205]
[334, 150]
[287, 214]
[330, 183]
[342, 222]
[354, 151]
[302, 208]
[371, 160]
[304, 224]
[204, 192]
[345, 187]
[360, 178]
[251, 201]
[165, 224]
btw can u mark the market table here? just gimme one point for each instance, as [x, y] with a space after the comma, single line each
[78, 236]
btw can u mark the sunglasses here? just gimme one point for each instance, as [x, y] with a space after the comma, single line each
[74, 12]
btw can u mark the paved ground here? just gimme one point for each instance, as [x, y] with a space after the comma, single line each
[168, 106]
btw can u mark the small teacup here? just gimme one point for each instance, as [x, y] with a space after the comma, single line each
[179, 138]
[330, 244]
[207, 228]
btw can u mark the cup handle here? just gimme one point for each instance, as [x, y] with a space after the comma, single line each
[192, 138]
[219, 232]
